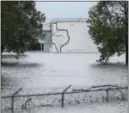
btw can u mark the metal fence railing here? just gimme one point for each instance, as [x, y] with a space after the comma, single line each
[68, 96]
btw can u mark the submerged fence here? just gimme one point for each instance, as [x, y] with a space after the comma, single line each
[68, 96]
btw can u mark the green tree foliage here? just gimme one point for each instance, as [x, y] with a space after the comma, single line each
[108, 27]
[21, 23]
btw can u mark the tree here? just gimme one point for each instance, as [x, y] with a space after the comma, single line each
[108, 27]
[21, 24]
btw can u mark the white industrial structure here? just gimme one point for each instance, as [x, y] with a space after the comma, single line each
[67, 35]
[71, 35]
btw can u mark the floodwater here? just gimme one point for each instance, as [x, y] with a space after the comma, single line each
[121, 107]
[39, 71]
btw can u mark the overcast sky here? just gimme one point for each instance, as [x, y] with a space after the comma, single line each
[54, 10]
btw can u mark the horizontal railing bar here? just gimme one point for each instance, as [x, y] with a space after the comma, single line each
[115, 88]
[104, 86]
[59, 93]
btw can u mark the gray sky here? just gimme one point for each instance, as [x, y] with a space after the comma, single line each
[54, 10]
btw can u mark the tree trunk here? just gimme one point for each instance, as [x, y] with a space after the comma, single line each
[126, 31]
[126, 51]
[126, 45]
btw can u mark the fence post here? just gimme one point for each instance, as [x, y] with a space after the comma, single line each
[62, 104]
[107, 95]
[13, 96]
